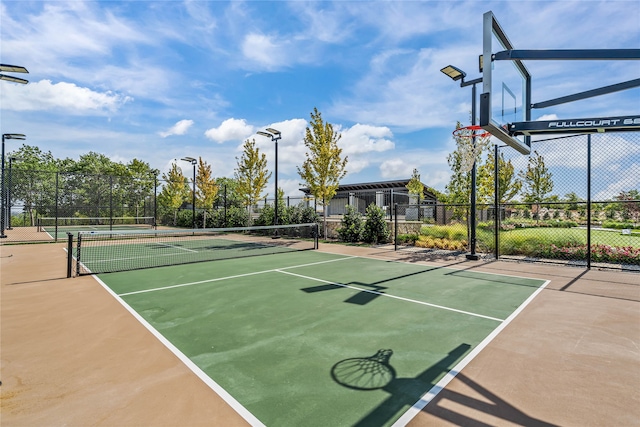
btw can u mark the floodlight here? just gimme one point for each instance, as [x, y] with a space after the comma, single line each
[453, 72]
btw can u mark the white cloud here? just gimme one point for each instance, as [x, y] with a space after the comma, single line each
[366, 138]
[230, 130]
[630, 179]
[179, 128]
[394, 168]
[263, 50]
[44, 95]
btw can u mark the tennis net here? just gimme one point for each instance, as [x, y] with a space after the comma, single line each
[110, 251]
[75, 224]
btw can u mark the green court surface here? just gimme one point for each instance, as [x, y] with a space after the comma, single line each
[62, 231]
[317, 339]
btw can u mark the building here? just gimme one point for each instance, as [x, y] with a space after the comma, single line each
[383, 193]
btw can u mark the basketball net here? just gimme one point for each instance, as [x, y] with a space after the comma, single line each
[470, 151]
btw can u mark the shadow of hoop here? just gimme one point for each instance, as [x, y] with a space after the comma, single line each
[365, 373]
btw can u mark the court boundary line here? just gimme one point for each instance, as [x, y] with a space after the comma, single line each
[174, 247]
[218, 279]
[442, 307]
[453, 372]
[217, 388]
[404, 418]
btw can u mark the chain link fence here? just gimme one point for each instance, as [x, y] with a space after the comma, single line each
[49, 199]
[579, 204]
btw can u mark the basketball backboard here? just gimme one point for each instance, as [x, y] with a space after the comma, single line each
[506, 88]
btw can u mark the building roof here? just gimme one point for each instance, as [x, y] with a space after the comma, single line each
[398, 184]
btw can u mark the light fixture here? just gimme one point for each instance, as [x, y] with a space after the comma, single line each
[454, 72]
[13, 69]
[275, 135]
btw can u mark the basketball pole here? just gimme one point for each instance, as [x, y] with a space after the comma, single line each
[473, 256]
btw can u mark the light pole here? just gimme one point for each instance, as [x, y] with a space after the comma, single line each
[275, 135]
[2, 189]
[11, 160]
[457, 74]
[193, 198]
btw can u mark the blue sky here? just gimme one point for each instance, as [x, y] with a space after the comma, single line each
[160, 80]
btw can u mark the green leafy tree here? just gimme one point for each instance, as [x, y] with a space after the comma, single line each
[206, 187]
[509, 184]
[251, 174]
[630, 204]
[137, 186]
[415, 186]
[323, 167]
[375, 226]
[174, 192]
[33, 181]
[537, 181]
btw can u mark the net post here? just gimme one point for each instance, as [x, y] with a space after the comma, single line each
[78, 245]
[395, 227]
[315, 240]
[69, 254]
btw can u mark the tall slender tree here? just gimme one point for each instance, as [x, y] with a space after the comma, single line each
[324, 166]
[509, 184]
[175, 191]
[251, 174]
[537, 181]
[415, 186]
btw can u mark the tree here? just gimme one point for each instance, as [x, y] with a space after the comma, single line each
[33, 181]
[174, 192]
[251, 174]
[206, 187]
[415, 186]
[509, 184]
[323, 167]
[537, 180]
[137, 185]
[630, 204]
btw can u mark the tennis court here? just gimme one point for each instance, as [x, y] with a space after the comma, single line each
[58, 227]
[312, 338]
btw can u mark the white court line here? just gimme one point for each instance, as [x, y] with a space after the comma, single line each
[217, 388]
[175, 247]
[431, 394]
[232, 277]
[392, 296]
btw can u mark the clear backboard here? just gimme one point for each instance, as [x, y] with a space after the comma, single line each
[506, 93]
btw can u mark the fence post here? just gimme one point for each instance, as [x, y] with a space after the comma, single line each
[56, 227]
[395, 227]
[110, 202]
[69, 253]
[589, 201]
[496, 201]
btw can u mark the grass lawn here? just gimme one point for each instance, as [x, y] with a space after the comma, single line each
[560, 236]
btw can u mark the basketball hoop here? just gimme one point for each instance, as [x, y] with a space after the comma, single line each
[470, 132]
[469, 152]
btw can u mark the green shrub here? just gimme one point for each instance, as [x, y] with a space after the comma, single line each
[620, 225]
[375, 228]
[451, 232]
[351, 225]
[408, 239]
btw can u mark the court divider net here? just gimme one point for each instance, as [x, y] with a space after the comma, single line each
[111, 251]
